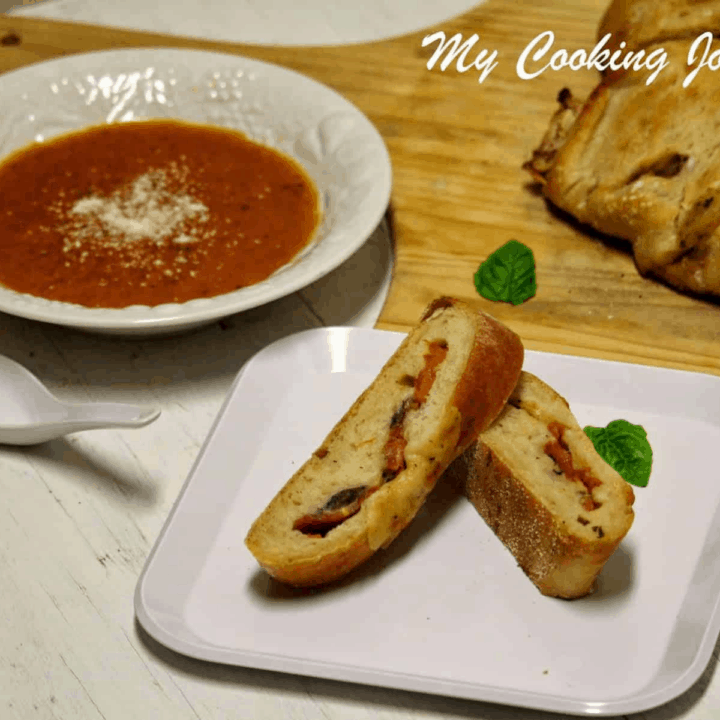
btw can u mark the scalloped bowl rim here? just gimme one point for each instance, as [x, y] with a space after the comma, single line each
[177, 316]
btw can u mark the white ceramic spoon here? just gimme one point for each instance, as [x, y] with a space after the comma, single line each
[30, 414]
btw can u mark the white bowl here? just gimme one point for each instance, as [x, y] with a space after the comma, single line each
[337, 145]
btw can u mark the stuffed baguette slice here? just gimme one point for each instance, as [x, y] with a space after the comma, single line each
[447, 382]
[538, 482]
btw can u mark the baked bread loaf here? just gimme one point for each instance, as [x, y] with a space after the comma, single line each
[447, 381]
[639, 23]
[536, 479]
[640, 162]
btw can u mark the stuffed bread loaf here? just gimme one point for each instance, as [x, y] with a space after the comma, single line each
[640, 162]
[447, 382]
[536, 479]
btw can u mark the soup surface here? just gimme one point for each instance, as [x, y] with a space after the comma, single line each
[149, 212]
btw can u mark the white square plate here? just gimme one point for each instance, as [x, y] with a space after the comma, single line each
[445, 609]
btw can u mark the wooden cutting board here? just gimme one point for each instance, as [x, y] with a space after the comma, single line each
[457, 147]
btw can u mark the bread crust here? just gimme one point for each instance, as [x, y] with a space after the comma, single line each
[559, 543]
[640, 162]
[639, 23]
[436, 434]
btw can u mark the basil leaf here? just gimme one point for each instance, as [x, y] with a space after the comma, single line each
[625, 447]
[508, 275]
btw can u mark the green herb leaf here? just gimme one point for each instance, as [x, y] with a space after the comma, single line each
[508, 275]
[625, 447]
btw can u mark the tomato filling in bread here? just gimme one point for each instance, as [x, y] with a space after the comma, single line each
[437, 352]
[422, 384]
[559, 451]
[346, 503]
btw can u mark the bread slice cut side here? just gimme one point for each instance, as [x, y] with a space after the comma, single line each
[450, 377]
[347, 502]
[536, 479]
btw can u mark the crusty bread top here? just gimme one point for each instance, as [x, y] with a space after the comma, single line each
[491, 372]
[641, 162]
[470, 387]
[518, 439]
[640, 23]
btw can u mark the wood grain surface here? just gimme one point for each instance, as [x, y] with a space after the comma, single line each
[457, 147]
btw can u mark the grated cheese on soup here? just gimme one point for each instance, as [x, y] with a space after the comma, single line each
[143, 210]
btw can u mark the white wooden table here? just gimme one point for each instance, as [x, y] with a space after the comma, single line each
[79, 515]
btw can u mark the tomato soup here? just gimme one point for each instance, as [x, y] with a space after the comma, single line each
[150, 212]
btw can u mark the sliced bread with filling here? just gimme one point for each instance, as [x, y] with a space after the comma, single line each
[446, 383]
[536, 479]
